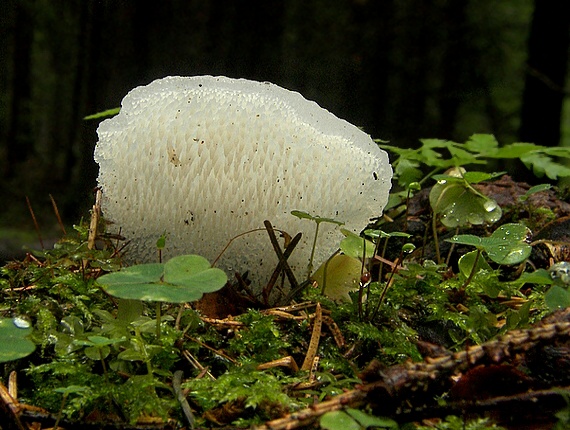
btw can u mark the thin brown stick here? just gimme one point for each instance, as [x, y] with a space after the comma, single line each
[36, 225]
[9, 410]
[95, 216]
[315, 337]
[282, 265]
[57, 215]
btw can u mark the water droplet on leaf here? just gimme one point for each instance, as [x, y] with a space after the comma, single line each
[21, 322]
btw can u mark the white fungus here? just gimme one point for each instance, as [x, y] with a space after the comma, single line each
[204, 159]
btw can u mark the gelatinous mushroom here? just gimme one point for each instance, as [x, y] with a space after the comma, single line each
[205, 159]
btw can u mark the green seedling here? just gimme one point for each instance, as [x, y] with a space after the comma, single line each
[181, 279]
[66, 391]
[534, 190]
[98, 348]
[379, 234]
[458, 204]
[506, 246]
[14, 342]
[318, 220]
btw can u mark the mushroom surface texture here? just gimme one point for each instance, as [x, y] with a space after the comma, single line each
[204, 159]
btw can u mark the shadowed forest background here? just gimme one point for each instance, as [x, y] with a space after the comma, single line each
[403, 70]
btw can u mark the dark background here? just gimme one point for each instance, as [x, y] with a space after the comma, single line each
[401, 69]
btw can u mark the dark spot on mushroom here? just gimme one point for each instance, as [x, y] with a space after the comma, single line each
[375, 176]
[200, 85]
[186, 222]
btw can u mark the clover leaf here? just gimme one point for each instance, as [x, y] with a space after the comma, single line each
[181, 279]
[507, 245]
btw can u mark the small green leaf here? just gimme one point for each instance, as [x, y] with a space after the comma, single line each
[161, 241]
[353, 245]
[339, 420]
[97, 352]
[544, 165]
[515, 150]
[467, 239]
[407, 172]
[415, 186]
[557, 298]
[507, 245]
[342, 276]
[467, 261]
[103, 114]
[131, 355]
[316, 218]
[482, 144]
[14, 342]
[302, 215]
[72, 389]
[460, 205]
[366, 420]
[476, 177]
[194, 271]
[538, 277]
[375, 234]
[140, 274]
[533, 190]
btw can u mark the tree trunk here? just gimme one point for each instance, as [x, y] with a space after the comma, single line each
[546, 74]
[19, 135]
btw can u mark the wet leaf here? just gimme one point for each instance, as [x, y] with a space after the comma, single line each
[14, 342]
[507, 245]
[460, 205]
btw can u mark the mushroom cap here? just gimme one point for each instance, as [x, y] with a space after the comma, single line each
[205, 159]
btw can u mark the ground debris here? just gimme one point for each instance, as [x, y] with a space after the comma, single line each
[408, 390]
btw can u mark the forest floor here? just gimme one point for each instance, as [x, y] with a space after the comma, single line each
[419, 344]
